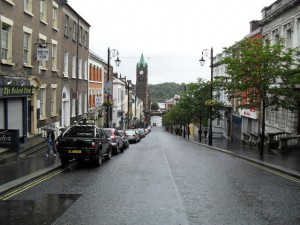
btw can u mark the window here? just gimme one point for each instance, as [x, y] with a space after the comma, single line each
[42, 99]
[66, 31]
[43, 42]
[298, 30]
[54, 15]
[66, 62]
[54, 55]
[276, 117]
[85, 108]
[6, 40]
[85, 70]
[53, 101]
[28, 6]
[74, 66]
[74, 36]
[288, 39]
[86, 39]
[80, 68]
[80, 35]
[73, 107]
[267, 115]
[275, 35]
[80, 104]
[43, 10]
[26, 49]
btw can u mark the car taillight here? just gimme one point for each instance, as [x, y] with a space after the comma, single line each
[93, 144]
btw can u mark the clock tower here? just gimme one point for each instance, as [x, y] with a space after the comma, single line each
[142, 82]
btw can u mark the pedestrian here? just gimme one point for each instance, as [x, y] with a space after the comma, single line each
[51, 142]
[200, 132]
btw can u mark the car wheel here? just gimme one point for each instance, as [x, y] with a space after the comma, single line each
[109, 154]
[98, 160]
[64, 161]
[122, 148]
[116, 150]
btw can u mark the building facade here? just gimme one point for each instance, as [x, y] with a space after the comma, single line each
[96, 88]
[43, 69]
[282, 20]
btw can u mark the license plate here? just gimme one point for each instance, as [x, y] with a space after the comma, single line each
[75, 151]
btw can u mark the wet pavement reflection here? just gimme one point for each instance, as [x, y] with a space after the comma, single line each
[28, 212]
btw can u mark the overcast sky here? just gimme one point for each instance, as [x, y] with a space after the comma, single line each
[170, 33]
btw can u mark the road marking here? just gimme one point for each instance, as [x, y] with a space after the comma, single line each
[29, 185]
[274, 172]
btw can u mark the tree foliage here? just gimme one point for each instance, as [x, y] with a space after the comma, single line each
[165, 91]
[257, 74]
[193, 105]
[154, 106]
[261, 76]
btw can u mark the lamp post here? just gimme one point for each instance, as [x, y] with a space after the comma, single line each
[202, 61]
[128, 103]
[110, 54]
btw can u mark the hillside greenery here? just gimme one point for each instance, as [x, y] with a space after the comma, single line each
[164, 91]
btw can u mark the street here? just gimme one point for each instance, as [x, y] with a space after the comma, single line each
[165, 180]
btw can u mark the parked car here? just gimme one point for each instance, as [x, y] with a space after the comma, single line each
[132, 135]
[125, 139]
[116, 140]
[83, 141]
[141, 132]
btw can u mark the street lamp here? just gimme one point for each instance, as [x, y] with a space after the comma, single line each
[128, 111]
[110, 54]
[202, 61]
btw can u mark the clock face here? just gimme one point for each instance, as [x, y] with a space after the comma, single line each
[141, 72]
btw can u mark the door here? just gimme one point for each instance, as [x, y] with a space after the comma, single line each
[29, 111]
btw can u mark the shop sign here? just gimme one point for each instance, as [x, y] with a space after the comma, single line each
[9, 139]
[12, 91]
[251, 113]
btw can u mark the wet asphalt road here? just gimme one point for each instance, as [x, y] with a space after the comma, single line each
[161, 180]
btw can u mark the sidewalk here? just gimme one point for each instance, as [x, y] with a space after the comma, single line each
[288, 163]
[37, 164]
[27, 167]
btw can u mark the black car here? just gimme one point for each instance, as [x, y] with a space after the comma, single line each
[84, 141]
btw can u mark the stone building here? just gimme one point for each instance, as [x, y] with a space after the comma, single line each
[282, 19]
[43, 69]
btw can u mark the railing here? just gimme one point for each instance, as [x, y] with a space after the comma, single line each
[281, 141]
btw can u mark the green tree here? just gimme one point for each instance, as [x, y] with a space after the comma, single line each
[154, 106]
[261, 76]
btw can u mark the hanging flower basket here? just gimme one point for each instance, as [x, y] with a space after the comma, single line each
[107, 103]
[211, 103]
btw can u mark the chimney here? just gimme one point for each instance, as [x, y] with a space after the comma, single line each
[254, 24]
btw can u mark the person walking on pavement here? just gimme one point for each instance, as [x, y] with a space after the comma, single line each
[51, 142]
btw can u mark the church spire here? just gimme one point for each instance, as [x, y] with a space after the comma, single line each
[142, 61]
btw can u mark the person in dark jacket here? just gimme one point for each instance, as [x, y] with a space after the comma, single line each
[51, 142]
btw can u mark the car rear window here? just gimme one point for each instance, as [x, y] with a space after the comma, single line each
[80, 132]
[107, 132]
[130, 132]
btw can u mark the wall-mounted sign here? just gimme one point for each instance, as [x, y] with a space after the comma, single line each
[42, 54]
[12, 91]
[98, 101]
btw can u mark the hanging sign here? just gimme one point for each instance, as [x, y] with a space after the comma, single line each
[42, 54]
